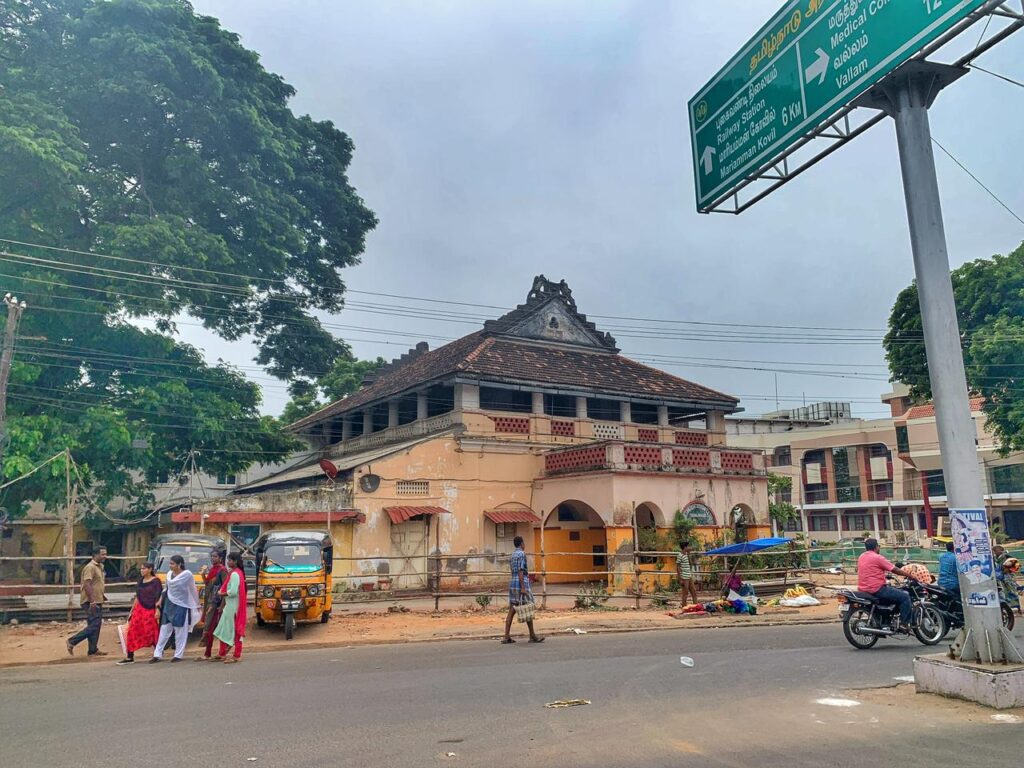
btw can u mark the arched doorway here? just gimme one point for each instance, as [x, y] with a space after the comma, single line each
[575, 537]
[742, 519]
[649, 518]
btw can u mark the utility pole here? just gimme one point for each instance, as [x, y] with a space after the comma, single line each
[14, 310]
[906, 96]
[69, 534]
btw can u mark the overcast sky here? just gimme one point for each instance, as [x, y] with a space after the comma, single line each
[500, 140]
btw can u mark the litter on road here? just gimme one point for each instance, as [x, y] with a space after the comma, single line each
[567, 703]
[686, 661]
[837, 702]
[576, 631]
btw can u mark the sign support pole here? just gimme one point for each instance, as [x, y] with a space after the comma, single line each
[906, 96]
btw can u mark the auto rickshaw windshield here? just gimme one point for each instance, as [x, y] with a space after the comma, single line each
[294, 558]
[195, 556]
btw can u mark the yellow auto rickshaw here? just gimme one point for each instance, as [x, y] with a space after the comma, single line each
[293, 578]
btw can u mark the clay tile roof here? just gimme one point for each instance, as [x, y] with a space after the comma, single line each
[503, 352]
[927, 411]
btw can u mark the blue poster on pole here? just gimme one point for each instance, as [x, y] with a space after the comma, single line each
[973, 548]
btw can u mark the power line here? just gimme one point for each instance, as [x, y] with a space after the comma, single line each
[404, 297]
[996, 74]
[964, 168]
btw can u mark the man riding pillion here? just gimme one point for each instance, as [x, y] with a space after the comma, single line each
[871, 571]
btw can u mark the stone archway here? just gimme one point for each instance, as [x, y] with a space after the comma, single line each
[649, 518]
[741, 517]
[575, 537]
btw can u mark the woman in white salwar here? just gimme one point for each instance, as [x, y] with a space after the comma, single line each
[179, 610]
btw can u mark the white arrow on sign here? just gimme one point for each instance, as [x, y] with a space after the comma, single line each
[707, 159]
[818, 69]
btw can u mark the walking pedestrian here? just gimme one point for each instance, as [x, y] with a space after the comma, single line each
[179, 610]
[142, 630]
[519, 592]
[91, 598]
[684, 572]
[213, 579]
[231, 627]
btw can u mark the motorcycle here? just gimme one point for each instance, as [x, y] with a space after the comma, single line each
[866, 618]
[953, 609]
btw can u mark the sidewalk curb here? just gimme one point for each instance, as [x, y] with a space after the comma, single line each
[277, 647]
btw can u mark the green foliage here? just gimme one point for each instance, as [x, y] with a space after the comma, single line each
[989, 296]
[780, 511]
[590, 596]
[483, 601]
[142, 131]
[684, 528]
[345, 377]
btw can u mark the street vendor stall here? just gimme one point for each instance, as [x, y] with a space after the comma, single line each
[733, 583]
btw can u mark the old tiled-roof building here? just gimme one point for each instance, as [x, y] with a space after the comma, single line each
[535, 422]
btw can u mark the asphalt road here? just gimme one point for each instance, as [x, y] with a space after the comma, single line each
[751, 699]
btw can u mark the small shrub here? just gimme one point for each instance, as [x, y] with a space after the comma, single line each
[659, 601]
[591, 596]
[483, 601]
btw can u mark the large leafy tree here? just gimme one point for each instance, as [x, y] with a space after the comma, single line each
[989, 296]
[345, 377]
[141, 131]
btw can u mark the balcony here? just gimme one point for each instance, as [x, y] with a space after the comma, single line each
[621, 456]
[411, 431]
[532, 428]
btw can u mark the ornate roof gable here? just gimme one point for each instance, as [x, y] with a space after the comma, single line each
[550, 315]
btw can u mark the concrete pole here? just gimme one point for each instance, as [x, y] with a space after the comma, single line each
[14, 310]
[909, 94]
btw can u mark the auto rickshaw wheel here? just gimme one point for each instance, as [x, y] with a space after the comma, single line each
[325, 617]
[260, 622]
[289, 625]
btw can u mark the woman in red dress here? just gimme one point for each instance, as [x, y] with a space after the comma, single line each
[142, 629]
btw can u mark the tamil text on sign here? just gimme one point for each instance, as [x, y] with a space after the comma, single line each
[810, 60]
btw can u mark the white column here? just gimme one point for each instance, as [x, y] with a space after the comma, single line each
[367, 421]
[662, 415]
[392, 413]
[715, 426]
[804, 525]
[625, 411]
[467, 397]
[581, 407]
[874, 516]
[839, 522]
[346, 428]
[916, 520]
[538, 403]
[421, 406]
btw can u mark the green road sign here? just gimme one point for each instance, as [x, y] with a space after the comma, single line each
[809, 61]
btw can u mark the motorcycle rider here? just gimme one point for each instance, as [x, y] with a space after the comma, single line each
[871, 571]
[948, 571]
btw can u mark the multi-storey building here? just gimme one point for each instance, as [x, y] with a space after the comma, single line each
[879, 476]
[534, 425]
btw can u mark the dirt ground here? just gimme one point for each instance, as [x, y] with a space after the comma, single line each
[44, 643]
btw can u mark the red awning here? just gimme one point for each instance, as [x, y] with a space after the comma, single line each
[337, 516]
[401, 514]
[511, 516]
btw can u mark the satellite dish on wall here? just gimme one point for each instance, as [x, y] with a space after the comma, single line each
[369, 483]
[329, 469]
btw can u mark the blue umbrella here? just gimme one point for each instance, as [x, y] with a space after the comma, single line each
[748, 547]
